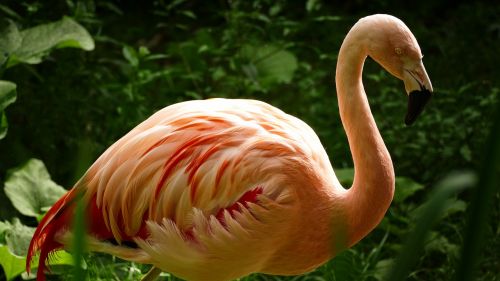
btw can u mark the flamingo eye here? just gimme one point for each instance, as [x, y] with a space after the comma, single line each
[398, 50]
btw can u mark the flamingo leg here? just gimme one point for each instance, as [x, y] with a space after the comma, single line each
[152, 274]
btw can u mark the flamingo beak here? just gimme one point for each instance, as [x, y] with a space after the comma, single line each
[419, 89]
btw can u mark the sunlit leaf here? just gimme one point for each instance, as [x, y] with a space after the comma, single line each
[12, 265]
[57, 258]
[30, 188]
[38, 41]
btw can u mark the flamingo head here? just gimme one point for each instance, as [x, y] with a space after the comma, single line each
[392, 45]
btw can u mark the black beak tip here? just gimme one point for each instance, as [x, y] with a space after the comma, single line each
[416, 103]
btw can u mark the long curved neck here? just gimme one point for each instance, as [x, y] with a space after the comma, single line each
[373, 187]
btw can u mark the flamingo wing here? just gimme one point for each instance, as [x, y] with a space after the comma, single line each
[190, 172]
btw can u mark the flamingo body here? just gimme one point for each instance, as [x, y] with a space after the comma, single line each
[206, 186]
[218, 189]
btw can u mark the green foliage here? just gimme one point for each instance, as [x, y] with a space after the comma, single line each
[12, 265]
[31, 190]
[7, 96]
[79, 242]
[411, 250]
[405, 188]
[32, 44]
[152, 54]
[18, 237]
[482, 204]
[268, 65]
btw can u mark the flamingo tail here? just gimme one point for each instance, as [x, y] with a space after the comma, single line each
[44, 242]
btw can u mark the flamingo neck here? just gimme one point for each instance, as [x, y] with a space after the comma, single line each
[373, 187]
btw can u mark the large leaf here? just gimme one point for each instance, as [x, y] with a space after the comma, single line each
[36, 42]
[12, 264]
[269, 64]
[7, 96]
[31, 190]
[18, 237]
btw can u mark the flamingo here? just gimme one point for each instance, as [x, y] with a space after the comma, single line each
[217, 189]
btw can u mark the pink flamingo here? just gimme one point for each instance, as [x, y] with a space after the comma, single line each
[218, 189]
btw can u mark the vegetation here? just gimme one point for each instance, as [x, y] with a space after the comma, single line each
[76, 75]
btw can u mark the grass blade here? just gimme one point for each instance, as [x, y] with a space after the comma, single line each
[79, 241]
[482, 203]
[84, 158]
[431, 212]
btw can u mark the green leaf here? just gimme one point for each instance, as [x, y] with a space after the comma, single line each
[466, 152]
[439, 243]
[346, 265]
[12, 264]
[313, 5]
[18, 237]
[453, 206]
[8, 96]
[4, 226]
[405, 188]
[144, 51]
[58, 258]
[382, 268]
[10, 40]
[189, 14]
[131, 55]
[38, 41]
[30, 188]
[269, 64]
